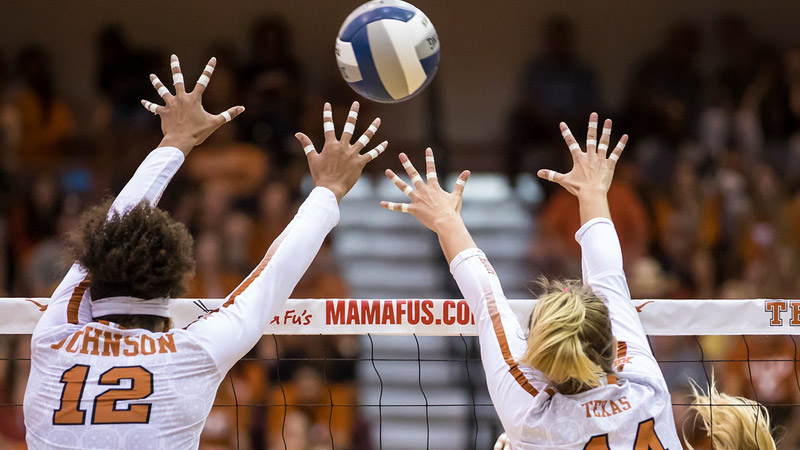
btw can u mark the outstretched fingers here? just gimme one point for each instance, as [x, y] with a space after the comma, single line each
[230, 114]
[416, 179]
[350, 124]
[327, 123]
[177, 75]
[591, 134]
[375, 152]
[461, 183]
[614, 156]
[550, 175]
[365, 138]
[605, 138]
[308, 146]
[574, 147]
[162, 90]
[205, 78]
[430, 166]
[152, 107]
[402, 185]
[399, 207]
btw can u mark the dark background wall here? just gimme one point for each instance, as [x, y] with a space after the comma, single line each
[485, 44]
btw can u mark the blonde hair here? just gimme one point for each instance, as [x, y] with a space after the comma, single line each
[734, 423]
[570, 338]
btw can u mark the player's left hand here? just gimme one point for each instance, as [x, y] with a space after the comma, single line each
[340, 163]
[430, 204]
[592, 171]
[184, 122]
[503, 443]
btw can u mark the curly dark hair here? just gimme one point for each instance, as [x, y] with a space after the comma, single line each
[142, 253]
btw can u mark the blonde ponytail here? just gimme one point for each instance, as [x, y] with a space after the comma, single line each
[738, 422]
[570, 339]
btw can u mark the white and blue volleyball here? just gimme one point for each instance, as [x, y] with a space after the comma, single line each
[387, 50]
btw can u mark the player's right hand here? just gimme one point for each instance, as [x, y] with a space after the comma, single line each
[339, 164]
[184, 122]
[503, 443]
[592, 171]
[430, 204]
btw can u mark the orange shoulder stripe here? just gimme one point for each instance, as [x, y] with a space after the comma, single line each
[74, 304]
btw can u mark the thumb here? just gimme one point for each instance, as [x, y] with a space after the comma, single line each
[550, 175]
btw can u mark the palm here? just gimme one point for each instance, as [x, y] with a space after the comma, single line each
[591, 169]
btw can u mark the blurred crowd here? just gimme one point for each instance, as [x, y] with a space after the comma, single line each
[706, 198]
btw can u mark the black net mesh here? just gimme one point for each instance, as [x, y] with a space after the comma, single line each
[423, 392]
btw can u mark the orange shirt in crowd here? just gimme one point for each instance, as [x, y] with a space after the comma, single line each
[238, 168]
[41, 133]
[561, 219]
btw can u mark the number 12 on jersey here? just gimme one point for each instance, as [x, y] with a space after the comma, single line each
[646, 439]
[106, 410]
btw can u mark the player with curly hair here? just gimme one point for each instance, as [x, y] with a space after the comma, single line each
[107, 369]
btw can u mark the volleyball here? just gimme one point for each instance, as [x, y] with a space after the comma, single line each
[387, 50]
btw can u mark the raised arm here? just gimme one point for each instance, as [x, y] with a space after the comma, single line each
[515, 390]
[601, 255]
[185, 124]
[232, 330]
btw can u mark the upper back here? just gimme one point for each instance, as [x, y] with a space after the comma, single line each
[624, 414]
[100, 386]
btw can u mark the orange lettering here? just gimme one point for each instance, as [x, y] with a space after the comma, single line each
[59, 344]
[625, 405]
[614, 408]
[795, 320]
[91, 336]
[775, 307]
[133, 347]
[598, 443]
[586, 405]
[166, 344]
[646, 438]
[72, 341]
[148, 340]
[110, 344]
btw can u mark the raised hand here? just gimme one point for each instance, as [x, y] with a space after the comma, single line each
[339, 164]
[184, 122]
[430, 204]
[592, 171]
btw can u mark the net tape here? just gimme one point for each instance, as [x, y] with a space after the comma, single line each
[451, 317]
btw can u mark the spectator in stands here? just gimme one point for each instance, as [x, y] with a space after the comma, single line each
[272, 91]
[236, 167]
[557, 85]
[554, 251]
[666, 90]
[274, 211]
[306, 390]
[686, 220]
[43, 119]
[213, 278]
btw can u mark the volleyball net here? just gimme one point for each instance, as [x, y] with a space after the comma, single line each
[406, 373]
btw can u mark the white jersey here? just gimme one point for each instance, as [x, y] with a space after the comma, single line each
[95, 385]
[631, 410]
